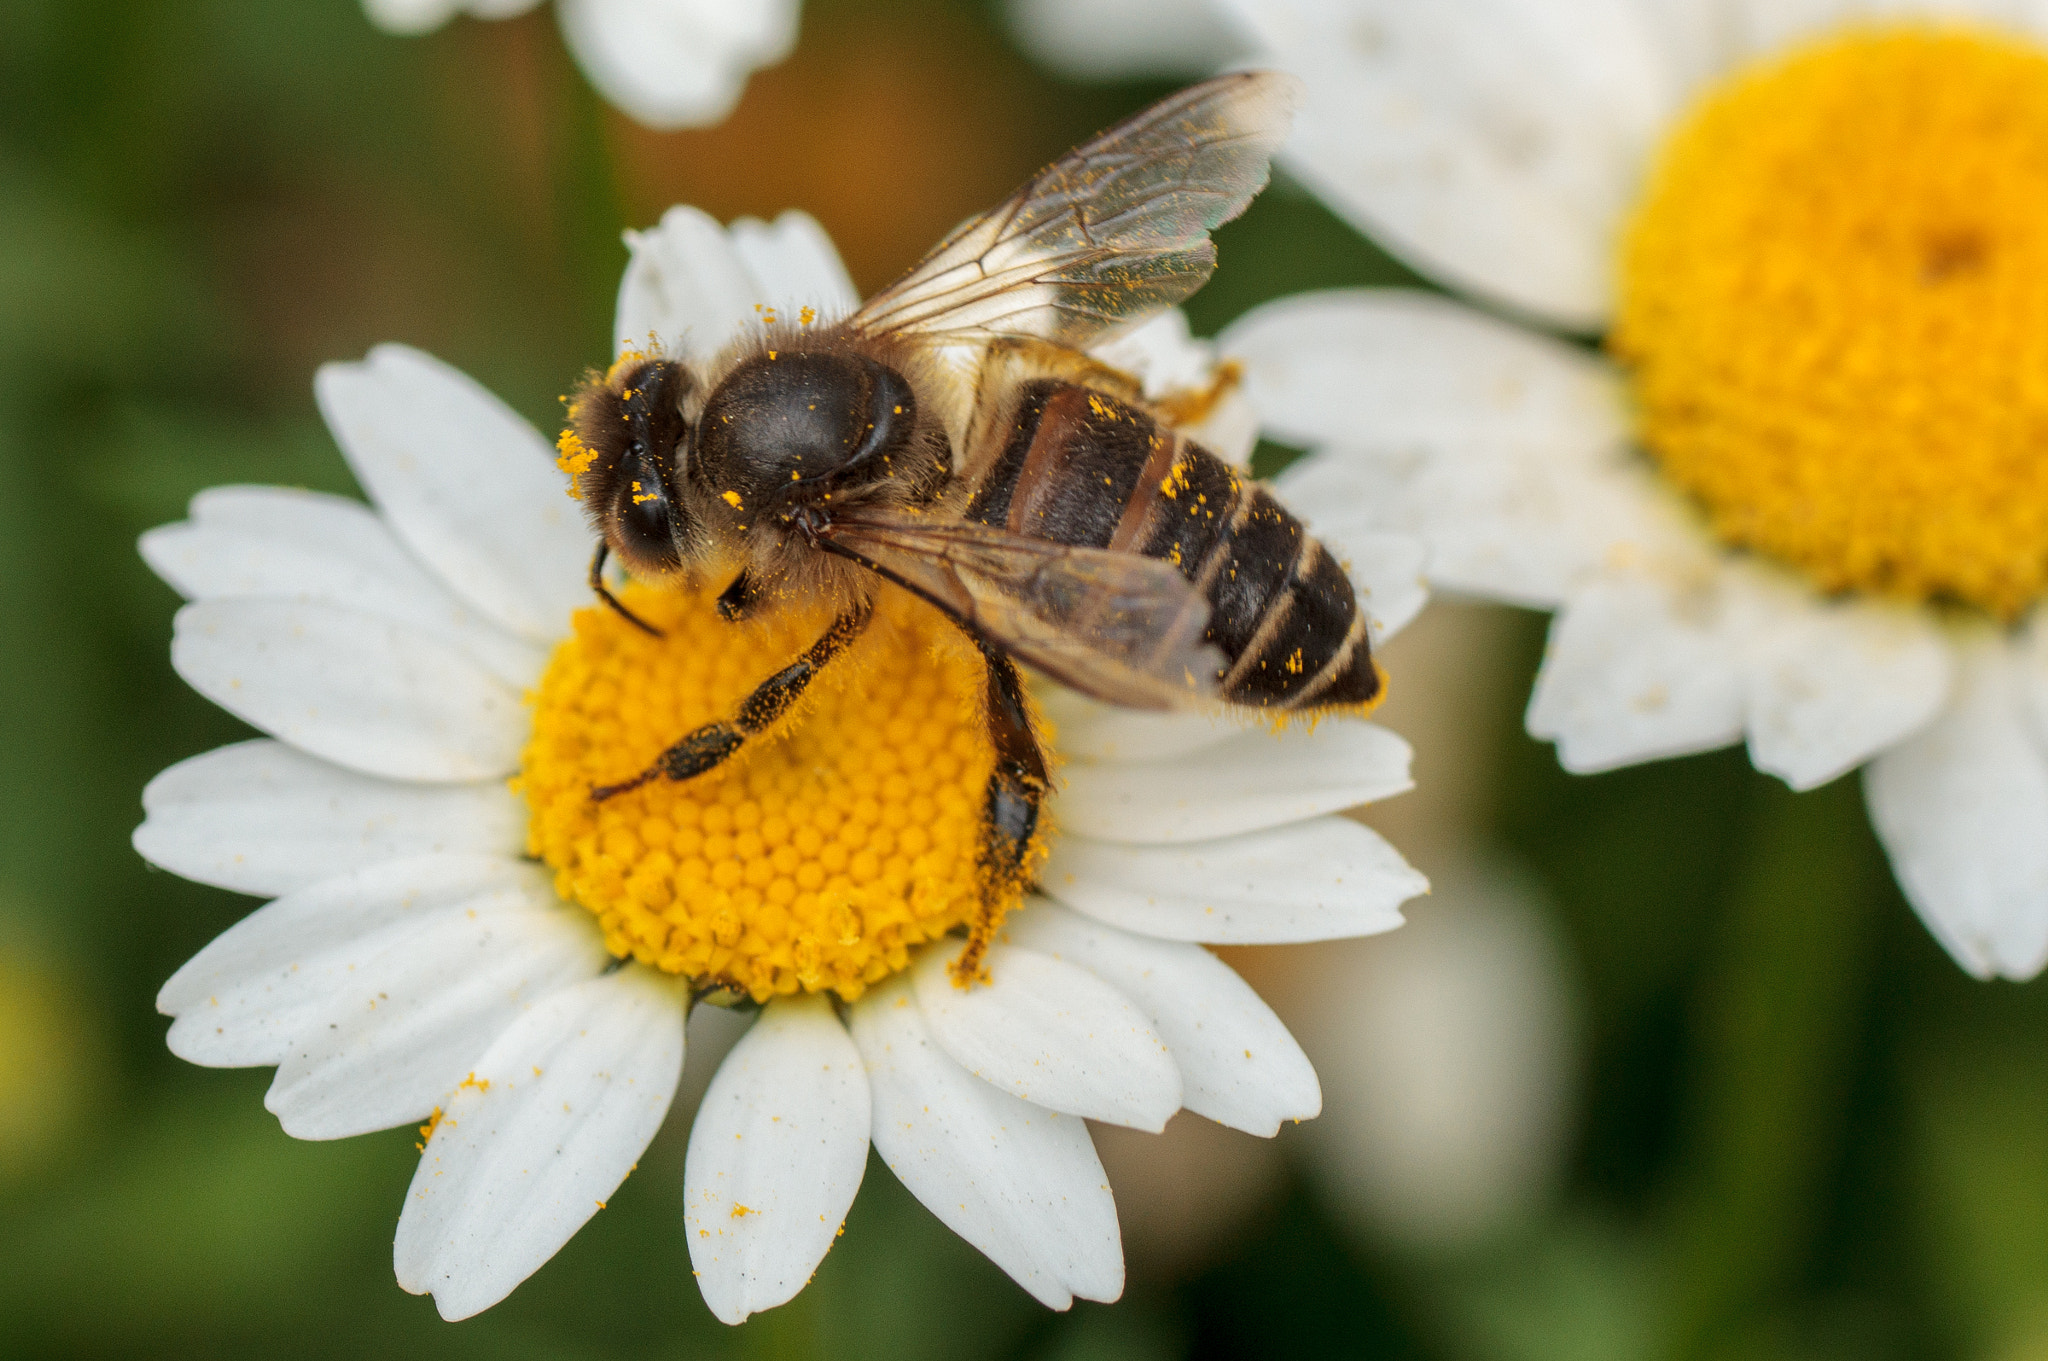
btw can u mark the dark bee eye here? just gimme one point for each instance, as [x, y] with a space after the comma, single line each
[643, 523]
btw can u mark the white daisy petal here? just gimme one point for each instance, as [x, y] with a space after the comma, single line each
[1322, 879]
[250, 995]
[422, 16]
[1051, 1033]
[413, 1013]
[360, 691]
[260, 817]
[1832, 683]
[283, 544]
[1119, 39]
[1962, 806]
[1085, 729]
[1495, 143]
[686, 287]
[1638, 668]
[676, 63]
[776, 1154]
[470, 487]
[1251, 781]
[558, 1111]
[1238, 1064]
[1019, 1182]
[794, 264]
[1501, 448]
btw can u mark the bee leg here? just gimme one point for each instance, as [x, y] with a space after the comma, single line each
[736, 601]
[709, 746]
[1016, 789]
[604, 592]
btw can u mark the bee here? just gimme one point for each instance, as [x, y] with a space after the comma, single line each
[952, 438]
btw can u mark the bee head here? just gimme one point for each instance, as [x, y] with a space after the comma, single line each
[787, 426]
[625, 436]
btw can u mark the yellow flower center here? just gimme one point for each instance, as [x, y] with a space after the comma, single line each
[1835, 305]
[815, 858]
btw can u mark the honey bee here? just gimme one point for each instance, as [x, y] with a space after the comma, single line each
[952, 438]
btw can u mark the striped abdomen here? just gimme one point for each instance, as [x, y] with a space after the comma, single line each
[1078, 466]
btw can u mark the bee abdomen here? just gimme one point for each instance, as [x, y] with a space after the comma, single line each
[1282, 611]
[1082, 467]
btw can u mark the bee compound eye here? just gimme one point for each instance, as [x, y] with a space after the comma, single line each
[643, 522]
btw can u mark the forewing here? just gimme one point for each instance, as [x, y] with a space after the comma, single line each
[1124, 628]
[1112, 232]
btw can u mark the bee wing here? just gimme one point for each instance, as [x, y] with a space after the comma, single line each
[1115, 230]
[1124, 628]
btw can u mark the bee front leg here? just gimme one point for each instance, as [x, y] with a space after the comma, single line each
[1016, 790]
[709, 746]
[604, 592]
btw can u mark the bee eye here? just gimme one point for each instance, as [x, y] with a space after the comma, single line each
[642, 520]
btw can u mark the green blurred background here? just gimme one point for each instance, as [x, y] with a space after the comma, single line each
[1797, 1130]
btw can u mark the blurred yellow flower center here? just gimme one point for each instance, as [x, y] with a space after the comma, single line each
[1834, 300]
[816, 857]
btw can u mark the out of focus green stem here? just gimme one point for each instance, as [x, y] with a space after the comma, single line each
[1772, 1031]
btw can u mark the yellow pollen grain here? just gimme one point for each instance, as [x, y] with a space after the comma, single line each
[573, 457]
[814, 860]
[1832, 304]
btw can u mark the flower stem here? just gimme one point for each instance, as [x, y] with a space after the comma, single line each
[1774, 1019]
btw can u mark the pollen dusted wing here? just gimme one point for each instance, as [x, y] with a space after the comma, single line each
[1112, 232]
[1123, 628]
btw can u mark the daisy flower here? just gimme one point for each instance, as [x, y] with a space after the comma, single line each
[1801, 501]
[462, 939]
[668, 63]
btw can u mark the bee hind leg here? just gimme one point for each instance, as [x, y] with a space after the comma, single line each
[708, 747]
[1016, 790]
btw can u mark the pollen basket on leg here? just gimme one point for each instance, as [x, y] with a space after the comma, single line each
[1832, 303]
[814, 859]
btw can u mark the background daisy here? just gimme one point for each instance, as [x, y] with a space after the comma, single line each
[1811, 236]
[668, 63]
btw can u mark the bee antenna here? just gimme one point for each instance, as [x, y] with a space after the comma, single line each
[604, 593]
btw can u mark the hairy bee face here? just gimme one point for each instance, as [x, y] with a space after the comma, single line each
[787, 426]
[631, 431]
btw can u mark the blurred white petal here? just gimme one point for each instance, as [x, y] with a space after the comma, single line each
[1447, 1057]
[1500, 448]
[1639, 667]
[422, 16]
[1833, 682]
[1492, 143]
[1962, 806]
[1121, 39]
[676, 63]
